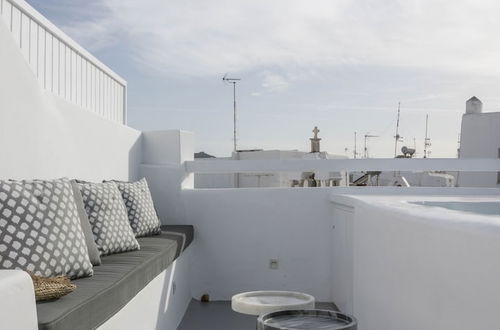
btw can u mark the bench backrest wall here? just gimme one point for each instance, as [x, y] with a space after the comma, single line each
[44, 136]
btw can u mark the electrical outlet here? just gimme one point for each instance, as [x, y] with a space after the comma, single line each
[273, 264]
[174, 287]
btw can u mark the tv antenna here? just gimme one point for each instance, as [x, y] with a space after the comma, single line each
[397, 137]
[427, 140]
[233, 81]
[367, 136]
[355, 150]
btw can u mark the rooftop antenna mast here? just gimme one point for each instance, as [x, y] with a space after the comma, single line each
[233, 81]
[427, 140]
[397, 137]
[365, 155]
[355, 152]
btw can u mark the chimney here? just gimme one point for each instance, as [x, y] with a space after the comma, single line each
[473, 105]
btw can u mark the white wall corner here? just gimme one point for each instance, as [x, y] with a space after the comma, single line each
[167, 147]
[164, 155]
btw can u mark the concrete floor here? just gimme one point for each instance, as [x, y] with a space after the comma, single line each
[218, 315]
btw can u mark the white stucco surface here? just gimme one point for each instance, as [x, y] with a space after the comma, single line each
[161, 304]
[61, 65]
[238, 232]
[480, 138]
[17, 301]
[164, 154]
[44, 136]
[415, 266]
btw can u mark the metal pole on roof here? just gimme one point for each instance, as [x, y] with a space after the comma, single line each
[365, 154]
[397, 137]
[355, 145]
[233, 81]
[427, 141]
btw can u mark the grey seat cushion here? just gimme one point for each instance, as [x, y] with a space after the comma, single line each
[182, 234]
[117, 280]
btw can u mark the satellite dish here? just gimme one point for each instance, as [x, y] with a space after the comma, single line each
[408, 152]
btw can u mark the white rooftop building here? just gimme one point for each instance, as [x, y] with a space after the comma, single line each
[479, 138]
[280, 179]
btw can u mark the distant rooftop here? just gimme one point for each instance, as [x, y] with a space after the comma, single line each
[202, 154]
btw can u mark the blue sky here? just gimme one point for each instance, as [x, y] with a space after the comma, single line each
[341, 65]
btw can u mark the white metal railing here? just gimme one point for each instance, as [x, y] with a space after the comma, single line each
[337, 165]
[62, 66]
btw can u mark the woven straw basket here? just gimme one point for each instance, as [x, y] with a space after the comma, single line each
[48, 288]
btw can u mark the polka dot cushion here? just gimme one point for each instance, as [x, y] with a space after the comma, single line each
[141, 210]
[40, 229]
[108, 218]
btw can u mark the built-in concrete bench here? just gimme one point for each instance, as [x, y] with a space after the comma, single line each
[115, 282]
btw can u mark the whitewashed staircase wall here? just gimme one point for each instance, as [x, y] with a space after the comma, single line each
[62, 66]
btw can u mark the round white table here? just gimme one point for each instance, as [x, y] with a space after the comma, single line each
[263, 302]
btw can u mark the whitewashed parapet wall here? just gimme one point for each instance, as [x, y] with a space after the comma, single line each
[62, 66]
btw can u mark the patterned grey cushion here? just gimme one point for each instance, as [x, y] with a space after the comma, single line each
[40, 229]
[141, 210]
[94, 254]
[108, 217]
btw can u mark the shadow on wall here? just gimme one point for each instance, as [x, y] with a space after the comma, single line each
[165, 299]
[175, 293]
[135, 159]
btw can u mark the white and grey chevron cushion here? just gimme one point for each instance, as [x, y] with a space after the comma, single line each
[40, 229]
[108, 217]
[141, 210]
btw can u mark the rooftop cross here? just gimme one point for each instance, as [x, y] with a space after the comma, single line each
[316, 131]
[315, 140]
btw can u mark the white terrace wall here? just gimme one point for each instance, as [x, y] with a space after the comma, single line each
[405, 268]
[238, 231]
[44, 136]
[164, 154]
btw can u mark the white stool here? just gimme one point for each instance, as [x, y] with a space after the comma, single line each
[263, 302]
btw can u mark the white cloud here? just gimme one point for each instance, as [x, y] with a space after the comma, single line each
[351, 60]
[95, 35]
[274, 82]
[199, 38]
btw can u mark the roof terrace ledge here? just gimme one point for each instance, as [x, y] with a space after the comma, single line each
[57, 33]
[384, 164]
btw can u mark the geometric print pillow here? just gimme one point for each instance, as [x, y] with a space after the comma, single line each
[141, 210]
[108, 217]
[40, 230]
